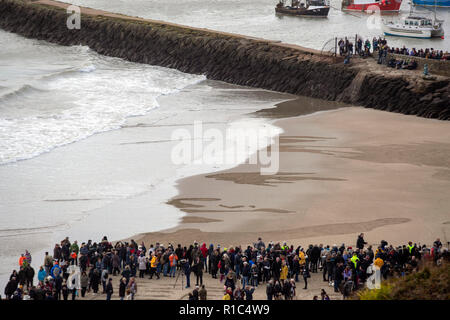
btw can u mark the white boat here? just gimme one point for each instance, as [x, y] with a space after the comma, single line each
[414, 26]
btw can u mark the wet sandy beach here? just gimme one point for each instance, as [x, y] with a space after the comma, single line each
[342, 172]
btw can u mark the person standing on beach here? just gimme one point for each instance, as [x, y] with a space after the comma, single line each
[122, 288]
[173, 259]
[109, 290]
[153, 266]
[142, 265]
[202, 293]
[360, 242]
[284, 271]
[269, 290]
[204, 255]
[187, 272]
[214, 257]
[132, 287]
[276, 269]
[306, 275]
[116, 263]
[245, 274]
[84, 283]
[198, 270]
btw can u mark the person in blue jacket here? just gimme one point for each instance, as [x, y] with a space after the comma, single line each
[55, 271]
[42, 274]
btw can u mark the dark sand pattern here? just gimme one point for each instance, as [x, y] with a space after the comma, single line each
[270, 210]
[427, 153]
[442, 175]
[256, 178]
[194, 219]
[298, 107]
[180, 202]
[231, 207]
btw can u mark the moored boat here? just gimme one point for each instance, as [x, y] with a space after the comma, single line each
[414, 26]
[308, 8]
[432, 3]
[371, 5]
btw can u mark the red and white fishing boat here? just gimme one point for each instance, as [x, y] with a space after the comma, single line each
[371, 5]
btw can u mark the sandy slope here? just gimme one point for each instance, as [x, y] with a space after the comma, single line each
[342, 172]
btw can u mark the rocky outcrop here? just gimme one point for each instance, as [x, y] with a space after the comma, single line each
[231, 58]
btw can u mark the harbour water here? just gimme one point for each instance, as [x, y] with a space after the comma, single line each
[259, 19]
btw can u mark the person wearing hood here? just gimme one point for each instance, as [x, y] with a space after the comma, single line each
[41, 274]
[11, 287]
[56, 270]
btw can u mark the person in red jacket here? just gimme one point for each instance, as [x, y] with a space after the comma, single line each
[204, 251]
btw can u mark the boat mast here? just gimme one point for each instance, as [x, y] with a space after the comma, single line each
[434, 11]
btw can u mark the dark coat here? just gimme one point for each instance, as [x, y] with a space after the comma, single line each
[122, 289]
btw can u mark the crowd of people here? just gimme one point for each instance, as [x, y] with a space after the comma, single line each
[280, 267]
[367, 48]
[428, 53]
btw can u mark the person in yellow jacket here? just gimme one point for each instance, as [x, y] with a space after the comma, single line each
[153, 265]
[378, 262]
[284, 271]
[227, 295]
[355, 259]
[301, 258]
[410, 247]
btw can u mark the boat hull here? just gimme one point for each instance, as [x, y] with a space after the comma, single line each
[317, 12]
[399, 32]
[392, 6]
[430, 3]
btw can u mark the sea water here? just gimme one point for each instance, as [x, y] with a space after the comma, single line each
[86, 141]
